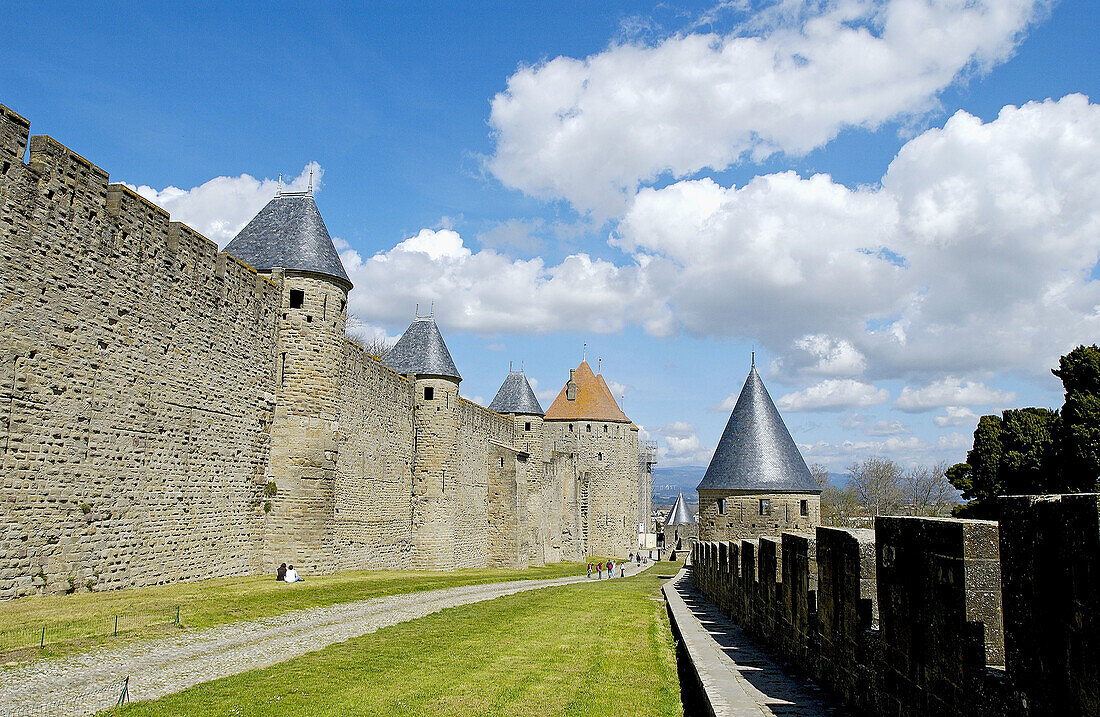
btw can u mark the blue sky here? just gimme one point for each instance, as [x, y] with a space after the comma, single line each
[640, 177]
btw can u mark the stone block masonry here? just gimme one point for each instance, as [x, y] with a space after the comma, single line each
[169, 413]
[907, 619]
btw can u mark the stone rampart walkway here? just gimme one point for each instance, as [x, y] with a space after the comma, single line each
[738, 678]
[83, 684]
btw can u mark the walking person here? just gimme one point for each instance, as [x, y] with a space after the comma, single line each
[622, 570]
[599, 571]
[590, 571]
[610, 568]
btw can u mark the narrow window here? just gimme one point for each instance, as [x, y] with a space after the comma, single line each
[570, 427]
[282, 370]
[721, 506]
[527, 427]
[502, 462]
[804, 507]
[324, 307]
[765, 506]
[605, 429]
[343, 305]
[429, 393]
[297, 298]
[599, 456]
[588, 427]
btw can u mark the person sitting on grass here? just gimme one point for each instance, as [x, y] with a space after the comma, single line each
[280, 574]
[292, 575]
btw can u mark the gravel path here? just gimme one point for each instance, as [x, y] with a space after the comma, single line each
[83, 684]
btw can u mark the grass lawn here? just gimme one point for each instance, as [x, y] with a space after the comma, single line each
[146, 611]
[587, 649]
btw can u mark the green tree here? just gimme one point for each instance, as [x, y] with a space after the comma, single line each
[1077, 440]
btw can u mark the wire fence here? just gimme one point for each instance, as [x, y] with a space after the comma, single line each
[55, 633]
[77, 704]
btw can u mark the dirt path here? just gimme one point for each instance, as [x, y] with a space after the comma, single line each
[83, 684]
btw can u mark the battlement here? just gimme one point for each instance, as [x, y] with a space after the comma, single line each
[907, 619]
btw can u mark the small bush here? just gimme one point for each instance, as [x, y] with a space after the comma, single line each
[270, 490]
[85, 508]
[72, 584]
[267, 506]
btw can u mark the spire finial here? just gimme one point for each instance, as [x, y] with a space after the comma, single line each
[509, 367]
[521, 365]
[599, 365]
[310, 188]
[431, 312]
[416, 312]
[753, 360]
[584, 352]
[279, 189]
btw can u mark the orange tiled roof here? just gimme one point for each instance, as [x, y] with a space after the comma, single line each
[594, 401]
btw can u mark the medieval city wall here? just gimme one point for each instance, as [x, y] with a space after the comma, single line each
[167, 413]
[929, 616]
[137, 384]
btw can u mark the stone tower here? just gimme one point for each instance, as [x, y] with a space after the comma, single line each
[757, 482]
[585, 419]
[680, 530]
[289, 243]
[422, 356]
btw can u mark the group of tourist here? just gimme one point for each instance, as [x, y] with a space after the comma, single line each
[599, 567]
[287, 574]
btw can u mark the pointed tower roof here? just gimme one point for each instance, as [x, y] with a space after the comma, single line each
[289, 233]
[756, 451]
[421, 350]
[679, 515]
[515, 396]
[593, 400]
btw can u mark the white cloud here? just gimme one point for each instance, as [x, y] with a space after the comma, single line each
[974, 254]
[488, 292]
[680, 445]
[952, 392]
[833, 394]
[220, 207]
[592, 130]
[886, 428]
[956, 416]
[908, 451]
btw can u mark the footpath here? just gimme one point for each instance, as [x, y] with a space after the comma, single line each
[83, 684]
[723, 673]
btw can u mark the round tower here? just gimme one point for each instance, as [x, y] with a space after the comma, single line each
[422, 356]
[288, 242]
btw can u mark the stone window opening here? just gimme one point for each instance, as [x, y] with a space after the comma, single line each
[502, 461]
[343, 305]
[803, 507]
[297, 298]
[527, 426]
[429, 393]
[599, 456]
[570, 427]
[721, 506]
[282, 370]
[765, 506]
[588, 427]
[324, 307]
[605, 429]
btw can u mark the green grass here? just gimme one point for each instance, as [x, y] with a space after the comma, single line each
[147, 611]
[587, 649]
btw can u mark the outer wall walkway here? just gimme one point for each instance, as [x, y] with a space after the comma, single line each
[723, 674]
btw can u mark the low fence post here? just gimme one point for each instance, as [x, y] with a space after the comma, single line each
[116, 626]
[177, 615]
[42, 641]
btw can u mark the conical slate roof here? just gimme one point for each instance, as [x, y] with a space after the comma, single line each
[515, 396]
[421, 350]
[289, 233]
[594, 401]
[756, 451]
[679, 515]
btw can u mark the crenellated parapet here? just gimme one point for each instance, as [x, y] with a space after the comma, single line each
[907, 619]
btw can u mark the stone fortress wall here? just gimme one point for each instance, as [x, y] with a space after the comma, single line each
[167, 415]
[927, 616]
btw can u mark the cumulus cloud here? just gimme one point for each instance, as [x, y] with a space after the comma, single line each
[975, 253]
[833, 394]
[908, 451]
[486, 291]
[679, 444]
[956, 416]
[952, 392]
[220, 207]
[886, 428]
[788, 80]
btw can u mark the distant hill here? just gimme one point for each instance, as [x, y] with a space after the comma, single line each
[667, 482]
